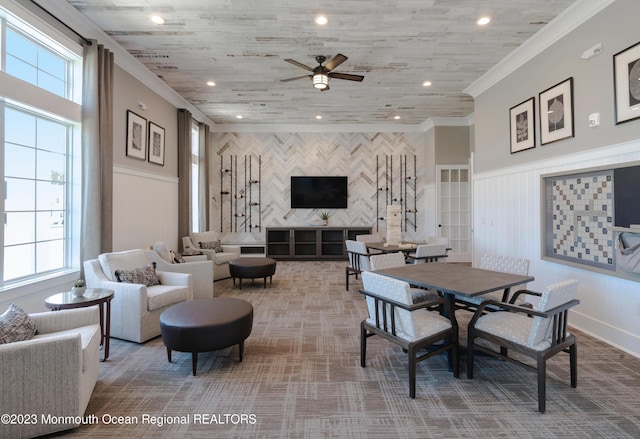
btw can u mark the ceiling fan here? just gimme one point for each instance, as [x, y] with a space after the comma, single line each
[320, 75]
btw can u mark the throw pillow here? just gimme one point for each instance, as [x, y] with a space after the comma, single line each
[145, 275]
[177, 258]
[212, 245]
[16, 325]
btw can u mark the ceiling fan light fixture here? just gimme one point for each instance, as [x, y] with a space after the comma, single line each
[320, 81]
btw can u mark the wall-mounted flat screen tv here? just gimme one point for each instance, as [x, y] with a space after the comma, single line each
[308, 192]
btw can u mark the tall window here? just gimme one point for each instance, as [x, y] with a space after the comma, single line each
[39, 122]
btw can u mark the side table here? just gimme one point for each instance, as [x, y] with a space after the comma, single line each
[92, 296]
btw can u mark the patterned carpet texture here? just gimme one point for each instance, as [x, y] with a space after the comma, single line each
[301, 378]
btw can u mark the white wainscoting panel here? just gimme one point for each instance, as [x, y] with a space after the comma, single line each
[507, 220]
[145, 209]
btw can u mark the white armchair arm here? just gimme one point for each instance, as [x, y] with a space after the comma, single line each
[177, 279]
[200, 271]
[31, 380]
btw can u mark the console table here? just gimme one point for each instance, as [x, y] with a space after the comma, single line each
[310, 243]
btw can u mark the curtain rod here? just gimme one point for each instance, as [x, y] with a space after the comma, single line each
[87, 42]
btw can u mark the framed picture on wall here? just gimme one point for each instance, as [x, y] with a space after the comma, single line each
[156, 144]
[522, 126]
[556, 112]
[136, 136]
[626, 80]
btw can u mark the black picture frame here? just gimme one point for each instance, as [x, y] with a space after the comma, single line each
[626, 65]
[522, 122]
[156, 144]
[556, 112]
[136, 136]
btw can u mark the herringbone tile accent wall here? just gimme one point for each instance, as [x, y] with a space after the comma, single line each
[356, 155]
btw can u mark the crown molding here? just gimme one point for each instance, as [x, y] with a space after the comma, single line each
[560, 26]
[343, 128]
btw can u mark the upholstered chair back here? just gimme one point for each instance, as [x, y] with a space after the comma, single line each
[506, 264]
[552, 297]
[424, 250]
[396, 290]
[369, 237]
[387, 260]
[361, 249]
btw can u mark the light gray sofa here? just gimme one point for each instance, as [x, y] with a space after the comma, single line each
[220, 258]
[53, 373]
[136, 308]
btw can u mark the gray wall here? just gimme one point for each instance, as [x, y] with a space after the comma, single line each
[128, 91]
[452, 145]
[617, 28]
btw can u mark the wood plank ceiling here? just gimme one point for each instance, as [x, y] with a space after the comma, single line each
[396, 44]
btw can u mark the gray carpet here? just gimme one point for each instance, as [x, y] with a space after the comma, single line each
[301, 378]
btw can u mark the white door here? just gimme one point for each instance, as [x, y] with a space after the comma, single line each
[454, 210]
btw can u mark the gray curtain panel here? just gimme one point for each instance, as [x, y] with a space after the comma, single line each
[97, 152]
[203, 177]
[184, 172]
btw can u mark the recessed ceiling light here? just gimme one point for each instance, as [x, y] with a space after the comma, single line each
[482, 21]
[321, 20]
[157, 19]
[239, 116]
[318, 117]
[396, 117]
[211, 83]
[426, 83]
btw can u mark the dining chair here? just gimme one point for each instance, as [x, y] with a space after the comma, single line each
[393, 260]
[427, 253]
[369, 237]
[540, 337]
[502, 264]
[394, 317]
[358, 259]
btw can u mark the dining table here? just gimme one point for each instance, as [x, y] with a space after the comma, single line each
[451, 279]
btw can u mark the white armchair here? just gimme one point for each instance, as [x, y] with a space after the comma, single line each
[202, 271]
[52, 373]
[136, 307]
[219, 257]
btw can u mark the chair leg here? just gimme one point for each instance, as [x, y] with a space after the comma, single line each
[573, 362]
[412, 373]
[363, 346]
[470, 355]
[455, 359]
[347, 278]
[542, 384]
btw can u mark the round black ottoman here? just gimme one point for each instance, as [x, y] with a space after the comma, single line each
[205, 325]
[252, 268]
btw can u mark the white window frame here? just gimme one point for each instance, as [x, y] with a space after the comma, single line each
[18, 93]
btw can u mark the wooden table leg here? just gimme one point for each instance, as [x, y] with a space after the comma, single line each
[107, 329]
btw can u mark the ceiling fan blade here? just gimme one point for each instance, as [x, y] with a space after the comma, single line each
[293, 79]
[346, 76]
[335, 61]
[299, 64]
